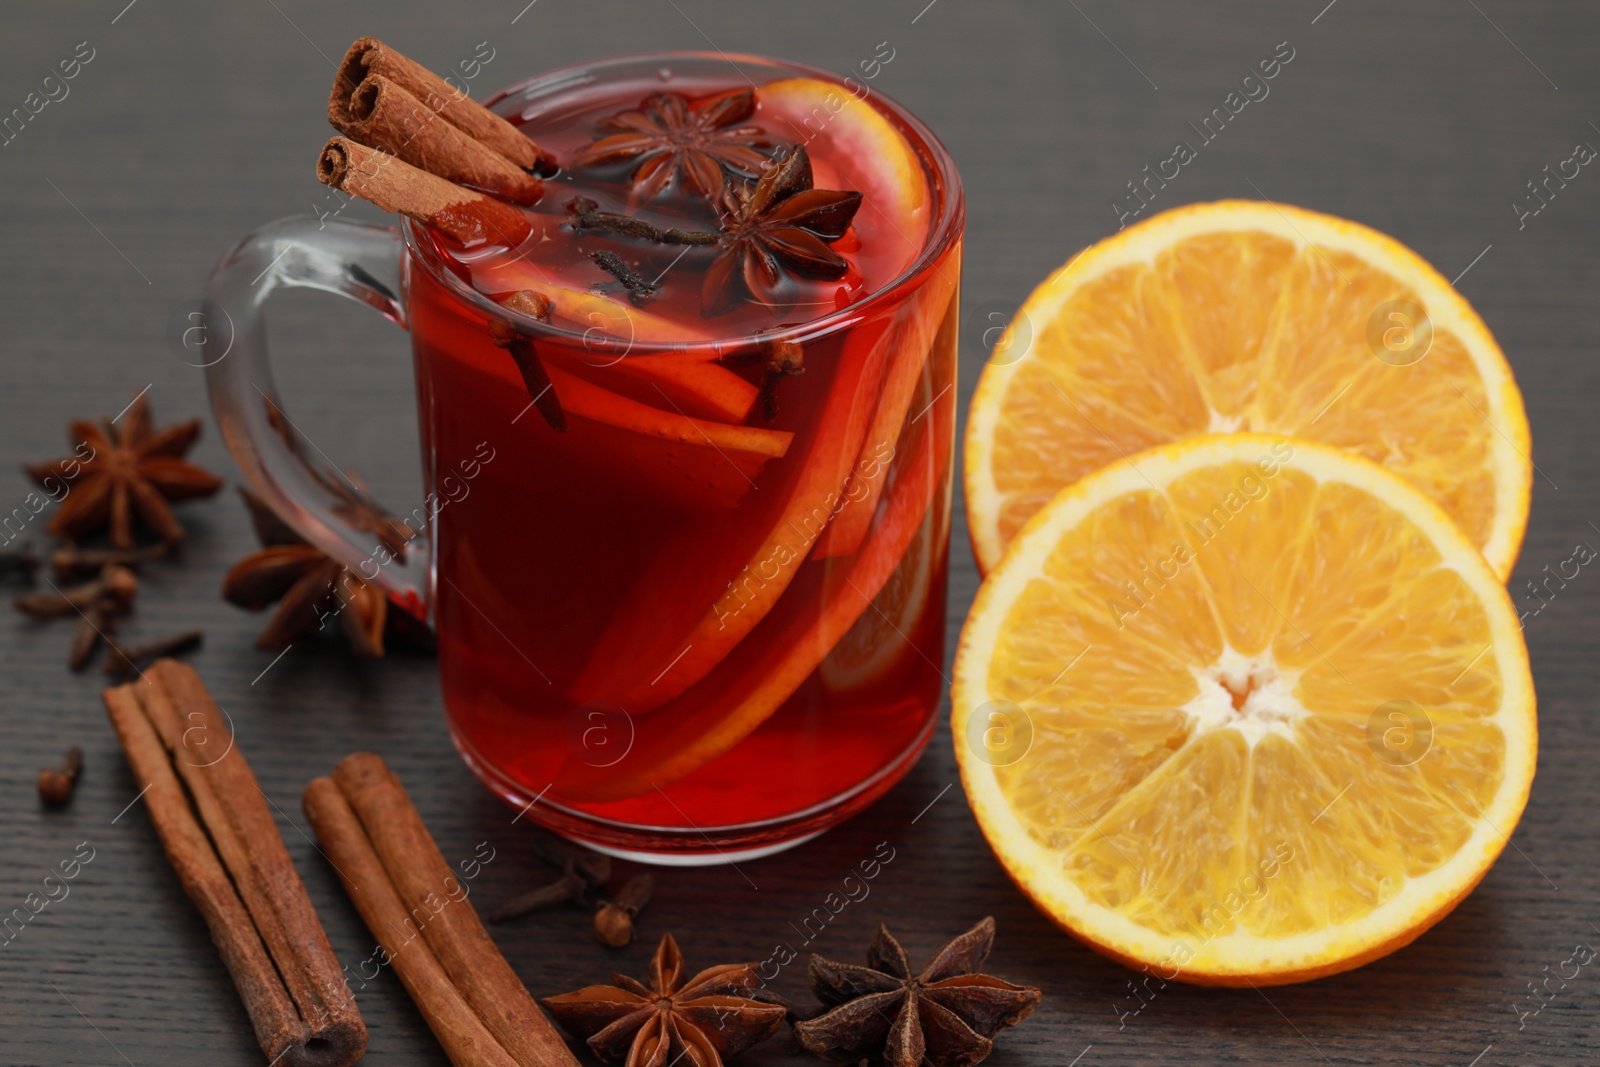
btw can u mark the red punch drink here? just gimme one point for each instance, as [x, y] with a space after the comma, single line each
[692, 440]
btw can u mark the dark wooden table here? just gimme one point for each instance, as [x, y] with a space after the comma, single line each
[195, 122]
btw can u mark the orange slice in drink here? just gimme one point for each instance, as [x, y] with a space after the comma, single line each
[1244, 710]
[587, 400]
[1244, 315]
[710, 585]
[614, 326]
[877, 643]
[684, 380]
[826, 599]
[689, 478]
[689, 386]
[866, 153]
[924, 325]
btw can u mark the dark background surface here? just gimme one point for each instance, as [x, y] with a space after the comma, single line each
[196, 122]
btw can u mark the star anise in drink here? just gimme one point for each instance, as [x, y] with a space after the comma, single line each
[944, 1016]
[697, 1021]
[775, 225]
[672, 138]
[314, 591]
[130, 471]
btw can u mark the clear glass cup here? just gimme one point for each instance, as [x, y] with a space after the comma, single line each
[684, 626]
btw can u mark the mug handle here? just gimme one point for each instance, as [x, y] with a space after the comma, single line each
[289, 473]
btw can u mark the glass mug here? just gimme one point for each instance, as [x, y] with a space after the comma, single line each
[670, 634]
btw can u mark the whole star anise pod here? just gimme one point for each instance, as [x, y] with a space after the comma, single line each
[776, 223]
[313, 590]
[944, 1016]
[700, 1020]
[131, 470]
[671, 137]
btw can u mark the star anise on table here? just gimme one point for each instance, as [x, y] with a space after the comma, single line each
[132, 470]
[778, 223]
[313, 590]
[945, 1016]
[700, 1019]
[670, 137]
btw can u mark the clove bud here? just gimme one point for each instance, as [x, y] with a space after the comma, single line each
[585, 214]
[613, 919]
[94, 626]
[72, 563]
[115, 588]
[125, 660]
[56, 783]
[534, 377]
[785, 359]
[639, 290]
[583, 873]
[528, 302]
[95, 603]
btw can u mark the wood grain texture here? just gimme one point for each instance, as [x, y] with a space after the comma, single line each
[194, 123]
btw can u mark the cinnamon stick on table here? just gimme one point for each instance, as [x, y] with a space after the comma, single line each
[228, 854]
[395, 185]
[444, 928]
[459, 1030]
[369, 56]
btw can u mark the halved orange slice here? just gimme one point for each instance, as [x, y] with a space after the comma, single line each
[1255, 316]
[1244, 710]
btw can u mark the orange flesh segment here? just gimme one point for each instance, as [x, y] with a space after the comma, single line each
[914, 341]
[663, 637]
[759, 675]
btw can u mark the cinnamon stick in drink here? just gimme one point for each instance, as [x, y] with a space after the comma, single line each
[250, 897]
[459, 1030]
[369, 56]
[381, 114]
[423, 881]
[395, 185]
